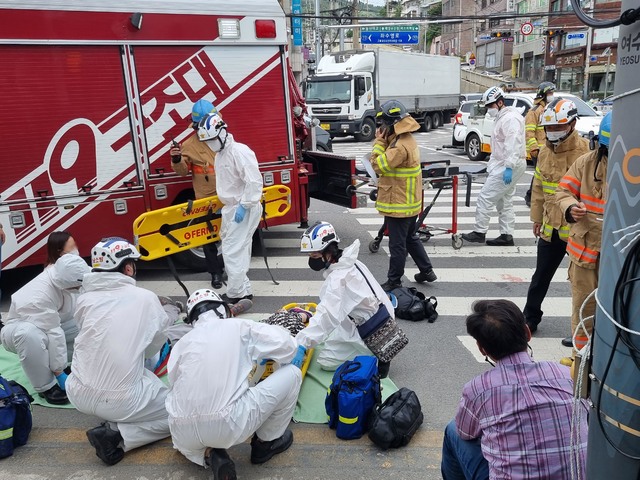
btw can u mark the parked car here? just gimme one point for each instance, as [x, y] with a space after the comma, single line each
[467, 97]
[605, 105]
[460, 123]
[479, 125]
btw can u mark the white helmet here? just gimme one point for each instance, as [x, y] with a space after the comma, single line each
[210, 127]
[109, 254]
[68, 271]
[317, 237]
[559, 112]
[203, 300]
[492, 95]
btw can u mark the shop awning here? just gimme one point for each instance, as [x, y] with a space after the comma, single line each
[602, 68]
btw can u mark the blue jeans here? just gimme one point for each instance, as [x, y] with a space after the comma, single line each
[462, 459]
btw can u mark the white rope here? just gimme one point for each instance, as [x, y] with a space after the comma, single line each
[613, 320]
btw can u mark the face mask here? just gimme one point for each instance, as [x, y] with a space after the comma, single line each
[217, 144]
[549, 99]
[317, 264]
[493, 112]
[557, 137]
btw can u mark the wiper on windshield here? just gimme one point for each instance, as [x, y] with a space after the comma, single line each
[334, 99]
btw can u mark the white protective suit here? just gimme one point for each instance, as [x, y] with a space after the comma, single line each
[344, 294]
[238, 181]
[210, 403]
[39, 318]
[120, 324]
[507, 150]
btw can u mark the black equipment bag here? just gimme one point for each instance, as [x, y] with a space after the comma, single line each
[394, 423]
[414, 306]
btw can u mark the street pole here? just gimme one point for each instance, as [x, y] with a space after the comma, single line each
[606, 75]
[318, 40]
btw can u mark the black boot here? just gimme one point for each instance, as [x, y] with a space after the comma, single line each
[216, 280]
[107, 444]
[389, 285]
[475, 237]
[263, 451]
[55, 396]
[221, 465]
[429, 276]
[503, 240]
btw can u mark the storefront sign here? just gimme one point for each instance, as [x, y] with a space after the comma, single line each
[566, 61]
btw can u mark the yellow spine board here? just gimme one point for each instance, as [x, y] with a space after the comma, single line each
[173, 229]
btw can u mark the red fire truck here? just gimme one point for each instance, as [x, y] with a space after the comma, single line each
[92, 94]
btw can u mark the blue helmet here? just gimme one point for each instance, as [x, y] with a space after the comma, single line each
[201, 109]
[605, 130]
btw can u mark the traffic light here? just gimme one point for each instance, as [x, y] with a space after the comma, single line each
[553, 33]
[501, 34]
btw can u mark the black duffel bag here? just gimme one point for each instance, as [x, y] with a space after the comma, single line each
[413, 305]
[394, 423]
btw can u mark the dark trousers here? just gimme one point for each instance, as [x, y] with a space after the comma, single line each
[214, 263]
[534, 161]
[402, 240]
[549, 257]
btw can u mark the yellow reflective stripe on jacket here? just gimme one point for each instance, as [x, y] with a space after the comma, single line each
[531, 142]
[383, 163]
[5, 434]
[399, 208]
[404, 172]
[530, 126]
[378, 149]
[348, 421]
[563, 232]
[411, 188]
[547, 187]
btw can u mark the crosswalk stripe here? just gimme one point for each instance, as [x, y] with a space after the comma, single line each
[462, 220]
[439, 209]
[516, 234]
[546, 349]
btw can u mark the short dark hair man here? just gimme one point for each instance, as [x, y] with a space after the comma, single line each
[513, 421]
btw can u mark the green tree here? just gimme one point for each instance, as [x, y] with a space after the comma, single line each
[435, 29]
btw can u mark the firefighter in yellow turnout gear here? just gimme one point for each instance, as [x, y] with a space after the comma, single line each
[396, 160]
[534, 130]
[563, 146]
[581, 197]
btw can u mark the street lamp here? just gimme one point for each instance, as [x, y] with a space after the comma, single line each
[607, 52]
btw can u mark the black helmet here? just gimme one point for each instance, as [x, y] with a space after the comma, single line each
[544, 88]
[391, 112]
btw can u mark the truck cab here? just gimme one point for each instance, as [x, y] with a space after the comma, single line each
[341, 95]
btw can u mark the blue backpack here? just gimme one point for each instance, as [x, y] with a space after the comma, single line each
[15, 416]
[354, 391]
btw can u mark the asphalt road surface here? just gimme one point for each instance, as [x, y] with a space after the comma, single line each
[439, 359]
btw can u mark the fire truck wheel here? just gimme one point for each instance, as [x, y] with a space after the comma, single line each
[192, 259]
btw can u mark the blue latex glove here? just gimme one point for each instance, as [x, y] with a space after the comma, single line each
[507, 176]
[62, 379]
[298, 360]
[240, 212]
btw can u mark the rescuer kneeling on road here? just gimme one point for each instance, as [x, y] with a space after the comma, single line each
[349, 297]
[396, 160]
[210, 411]
[239, 184]
[193, 156]
[515, 420]
[120, 325]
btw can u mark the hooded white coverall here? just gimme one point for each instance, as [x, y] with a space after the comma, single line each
[344, 294]
[238, 181]
[210, 403]
[507, 151]
[35, 325]
[120, 324]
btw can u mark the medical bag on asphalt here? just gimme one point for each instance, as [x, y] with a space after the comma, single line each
[15, 416]
[414, 306]
[395, 421]
[352, 396]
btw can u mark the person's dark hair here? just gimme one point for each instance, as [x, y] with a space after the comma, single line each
[55, 246]
[124, 264]
[499, 327]
[333, 251]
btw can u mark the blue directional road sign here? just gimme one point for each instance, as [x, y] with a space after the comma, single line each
[395, 37]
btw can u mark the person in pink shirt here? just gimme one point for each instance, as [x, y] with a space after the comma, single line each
[513, 421]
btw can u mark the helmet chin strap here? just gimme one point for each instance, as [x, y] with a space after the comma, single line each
[223, 142]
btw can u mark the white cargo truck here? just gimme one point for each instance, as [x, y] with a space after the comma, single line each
[349, 86]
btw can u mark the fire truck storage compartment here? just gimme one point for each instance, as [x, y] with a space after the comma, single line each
[331, 178]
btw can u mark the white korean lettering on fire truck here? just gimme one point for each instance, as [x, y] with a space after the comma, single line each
[166, 104]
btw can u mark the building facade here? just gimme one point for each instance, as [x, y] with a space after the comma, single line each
[457, 38]
[528, 59]
[494, 53]
[582, 60]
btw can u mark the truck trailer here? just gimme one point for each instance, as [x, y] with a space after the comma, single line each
[349, 87]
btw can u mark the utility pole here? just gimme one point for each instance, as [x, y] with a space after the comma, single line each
[606, 75]
[356, 31]
[318, 39]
